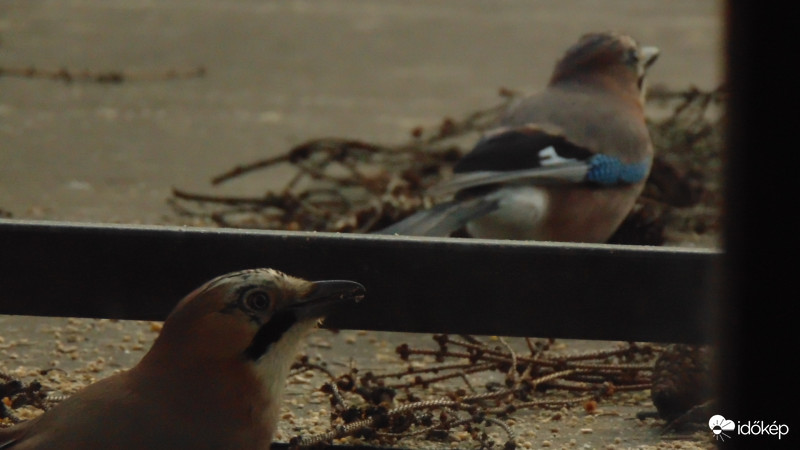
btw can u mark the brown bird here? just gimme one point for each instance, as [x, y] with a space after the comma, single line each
[565, 164]
[213, 378]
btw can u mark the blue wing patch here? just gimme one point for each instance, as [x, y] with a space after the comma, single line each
[608, 170]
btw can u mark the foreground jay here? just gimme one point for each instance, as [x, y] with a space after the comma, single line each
[212, 380]
[566, 164]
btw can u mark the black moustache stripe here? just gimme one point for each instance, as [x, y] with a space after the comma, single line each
[269, 333]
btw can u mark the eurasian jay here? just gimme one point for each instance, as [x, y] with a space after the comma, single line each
[212, 380]
[566, 164]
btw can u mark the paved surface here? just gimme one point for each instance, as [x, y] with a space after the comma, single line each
[278, 73]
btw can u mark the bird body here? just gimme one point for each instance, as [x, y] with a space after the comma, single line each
[565, 164]
[212, 380]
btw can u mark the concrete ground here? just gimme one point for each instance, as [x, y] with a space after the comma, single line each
[276, 73]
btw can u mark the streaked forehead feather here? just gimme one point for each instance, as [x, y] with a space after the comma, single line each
[253, 276]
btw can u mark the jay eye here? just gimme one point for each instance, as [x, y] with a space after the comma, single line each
[633, 57]
[257, 301]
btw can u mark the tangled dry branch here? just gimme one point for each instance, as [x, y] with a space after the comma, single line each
[425, 400]
[350, 185]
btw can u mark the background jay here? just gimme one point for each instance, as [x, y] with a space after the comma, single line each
[566, 164]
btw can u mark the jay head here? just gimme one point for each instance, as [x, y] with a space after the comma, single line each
[213, 378]
[609, 61]
[564, 164]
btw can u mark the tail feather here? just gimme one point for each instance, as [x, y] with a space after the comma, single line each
[443, 219]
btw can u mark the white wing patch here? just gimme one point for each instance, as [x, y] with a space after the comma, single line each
[549, 157]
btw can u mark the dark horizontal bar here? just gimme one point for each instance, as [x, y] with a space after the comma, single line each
[413, 284]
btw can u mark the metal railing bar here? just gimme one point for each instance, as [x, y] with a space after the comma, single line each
[474, 286]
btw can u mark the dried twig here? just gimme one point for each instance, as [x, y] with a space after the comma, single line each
[111, 76]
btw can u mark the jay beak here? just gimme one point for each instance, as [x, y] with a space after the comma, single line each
[566, 164]
[212, 380]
